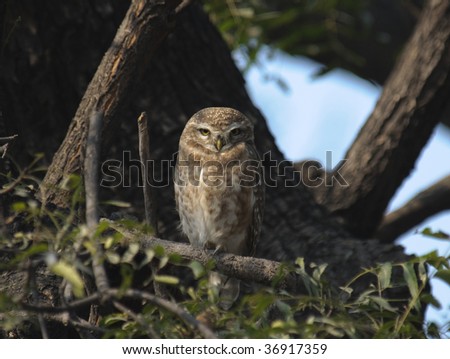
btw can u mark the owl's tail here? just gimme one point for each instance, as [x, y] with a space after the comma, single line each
[227, 288]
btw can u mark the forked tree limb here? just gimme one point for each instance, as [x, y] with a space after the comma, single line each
[427, 203]
[145, 26]
[414, 98]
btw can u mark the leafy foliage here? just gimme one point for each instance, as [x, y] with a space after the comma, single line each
[43, 243]
[347, 34]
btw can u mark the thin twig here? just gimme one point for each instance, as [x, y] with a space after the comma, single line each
[171, 307]
[174, 309]
[23, 173]
[183, 5]
[4, 148]
[91, 169]
[84, 328]
[8, 138]
[31, 283]
[147, 173]
[138, 318]
[91, 166]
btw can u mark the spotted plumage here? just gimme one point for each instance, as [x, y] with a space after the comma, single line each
[219, 187]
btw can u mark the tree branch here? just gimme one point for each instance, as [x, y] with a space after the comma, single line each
[425, 204]
[147, 173]
[251, 269]
[130, 294]
[4, 148]
[414, 98]
[91, 168]
[91, 165]
[145, 26]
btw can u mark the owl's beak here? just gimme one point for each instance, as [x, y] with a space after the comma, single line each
[219, 143]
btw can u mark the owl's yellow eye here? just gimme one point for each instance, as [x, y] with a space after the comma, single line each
[203, 131]
[235, 131]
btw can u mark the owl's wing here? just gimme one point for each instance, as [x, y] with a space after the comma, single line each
[258, 205]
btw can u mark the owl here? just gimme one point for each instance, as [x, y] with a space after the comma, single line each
[219, 188]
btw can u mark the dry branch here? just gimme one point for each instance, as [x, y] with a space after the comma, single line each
[4, 148]
[117, 295]
[91, 165]
[147, 173]
[251, 269]
[91, 168]
[425, 204]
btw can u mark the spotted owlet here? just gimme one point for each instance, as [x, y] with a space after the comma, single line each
[219, 188]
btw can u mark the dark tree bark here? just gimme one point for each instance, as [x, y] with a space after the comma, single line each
[415, 97]
[425, 204]
[143, 29]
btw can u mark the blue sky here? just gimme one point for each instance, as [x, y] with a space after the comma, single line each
[316, 115]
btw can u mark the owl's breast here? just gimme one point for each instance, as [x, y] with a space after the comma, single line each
[216, 210]
[225, 215]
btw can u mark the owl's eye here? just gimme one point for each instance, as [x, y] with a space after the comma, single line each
[235, 132]
[203, 131]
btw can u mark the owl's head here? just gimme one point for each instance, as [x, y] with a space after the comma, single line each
[217, 129]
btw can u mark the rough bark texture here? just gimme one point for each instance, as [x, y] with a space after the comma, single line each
[385, 151]
[145, 25]
[49, 53]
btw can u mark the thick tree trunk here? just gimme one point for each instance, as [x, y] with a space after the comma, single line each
[143, 29]
[415, 97]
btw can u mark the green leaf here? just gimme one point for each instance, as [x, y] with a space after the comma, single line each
[19, 206]
[69, 273]
[318, 271]
[126, 272]
[115, 318]
[384, 275]
[133, 249]
[444, 275]
[423, 275]
[163, 262]
[383, 303]
[167, 279]
[159, 251]
[429, 299]
[120, 204]
[410, 277]
[197, 269]
[439, 234]
[300, 262]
